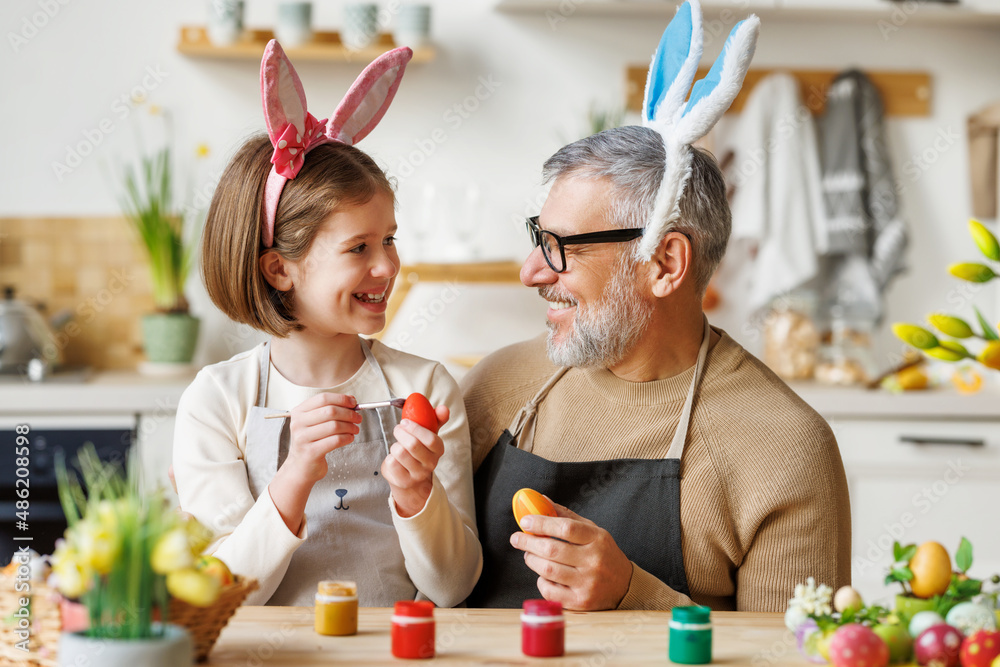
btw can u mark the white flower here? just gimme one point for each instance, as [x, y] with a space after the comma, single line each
[811, 599]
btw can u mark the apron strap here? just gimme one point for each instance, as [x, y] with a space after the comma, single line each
[265, 367]
[373, 362]
[526, 417]
[676, 450]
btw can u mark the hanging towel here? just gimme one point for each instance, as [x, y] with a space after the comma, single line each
[984, 128]
[867, 239]
[779, 225]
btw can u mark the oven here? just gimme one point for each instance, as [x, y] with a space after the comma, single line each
[112, 437]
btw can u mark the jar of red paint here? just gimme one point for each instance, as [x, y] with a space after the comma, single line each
[543, 629]
[413, 629]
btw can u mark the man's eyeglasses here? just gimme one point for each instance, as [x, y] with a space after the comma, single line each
[554, 246]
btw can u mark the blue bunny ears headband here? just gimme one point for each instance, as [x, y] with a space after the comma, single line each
[682, 121]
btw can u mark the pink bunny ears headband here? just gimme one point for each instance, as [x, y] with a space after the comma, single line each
[682, 120]
[294, 131]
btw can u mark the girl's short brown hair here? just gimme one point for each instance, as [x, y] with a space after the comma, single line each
[333, 175]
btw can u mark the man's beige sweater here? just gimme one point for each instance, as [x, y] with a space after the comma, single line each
[764, 500]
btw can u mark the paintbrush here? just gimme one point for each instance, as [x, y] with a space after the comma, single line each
[395, 402]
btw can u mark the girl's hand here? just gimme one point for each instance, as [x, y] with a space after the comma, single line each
[320, 425]
[409, 468]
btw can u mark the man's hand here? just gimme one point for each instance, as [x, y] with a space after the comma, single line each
[586, 571]
[409, 468]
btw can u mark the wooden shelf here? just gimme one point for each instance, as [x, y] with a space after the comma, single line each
[903, 93]
[325, 46]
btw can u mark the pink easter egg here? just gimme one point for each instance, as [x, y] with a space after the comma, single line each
[939, 646]
[980, 649]
[855, 645]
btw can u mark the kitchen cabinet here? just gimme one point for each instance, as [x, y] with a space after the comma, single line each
[920, 467]
[977, 13]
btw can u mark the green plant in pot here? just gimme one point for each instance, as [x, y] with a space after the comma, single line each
[928, 581]
[123, 554]
[169, 334]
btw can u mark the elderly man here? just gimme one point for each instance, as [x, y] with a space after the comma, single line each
[684, 471]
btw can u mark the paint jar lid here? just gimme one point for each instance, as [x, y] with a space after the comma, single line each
[417, 608]
[337, 588]
[542, 608]
[693, 614]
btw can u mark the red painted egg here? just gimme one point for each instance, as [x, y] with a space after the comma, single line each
[418, 409]
[939, 645]
[854, 645]
[980, 649]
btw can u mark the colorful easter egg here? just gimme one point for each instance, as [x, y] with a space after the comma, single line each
[970, 617]
[939, 645]
[855, 645]
[897, 639]
[981, 649]
[923, 620]
[418, 409]
[529, 501]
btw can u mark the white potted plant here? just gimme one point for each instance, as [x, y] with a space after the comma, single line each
[169, 334]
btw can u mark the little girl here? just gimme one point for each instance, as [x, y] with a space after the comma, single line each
[299, 243]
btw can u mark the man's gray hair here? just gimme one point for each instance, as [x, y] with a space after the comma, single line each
[633, 158]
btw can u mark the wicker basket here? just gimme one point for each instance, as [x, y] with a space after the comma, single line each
[205, 623]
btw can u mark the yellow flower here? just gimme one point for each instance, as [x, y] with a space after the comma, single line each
[73, 578]
[918, 337]
[192, 586]
[948, 350]
[990, 356]
[172, 552]
[201, 150]
[98, 546]
[985, 240]
[951, 326]
[972, 272]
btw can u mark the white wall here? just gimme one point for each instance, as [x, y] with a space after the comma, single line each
[61, 83]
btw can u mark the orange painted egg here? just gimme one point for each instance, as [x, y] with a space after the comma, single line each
[529, 501]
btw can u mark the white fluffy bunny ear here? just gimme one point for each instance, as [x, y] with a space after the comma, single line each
[369, 97]
[281, 92]
[673, 67]
[712, 96]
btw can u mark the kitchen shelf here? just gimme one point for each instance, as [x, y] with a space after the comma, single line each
[902, 93]
[325, 46]
[973, 13]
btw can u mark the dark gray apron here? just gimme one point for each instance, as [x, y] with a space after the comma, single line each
[351, 535]
[636, 500]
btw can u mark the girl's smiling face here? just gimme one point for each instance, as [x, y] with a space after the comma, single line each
[343, 283]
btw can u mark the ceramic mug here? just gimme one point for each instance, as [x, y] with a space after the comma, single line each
[360, 25]
[412, 26]
[294, 25]
[225, 21]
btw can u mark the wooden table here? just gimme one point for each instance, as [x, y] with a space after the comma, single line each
[285, 636]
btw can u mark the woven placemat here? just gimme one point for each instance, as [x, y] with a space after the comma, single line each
[45, 624]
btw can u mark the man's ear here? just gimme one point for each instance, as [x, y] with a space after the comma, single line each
[276, 271]
[670, 264]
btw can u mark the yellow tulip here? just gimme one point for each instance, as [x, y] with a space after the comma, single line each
[990, 356]
[951, 326]
[985, 240]
[98, 547]
[948, 350]
[172, 552]
[192, 586]
[972, 272]
[918, 337]
[73, 578]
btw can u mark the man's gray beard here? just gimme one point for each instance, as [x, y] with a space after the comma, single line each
[604, 333]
